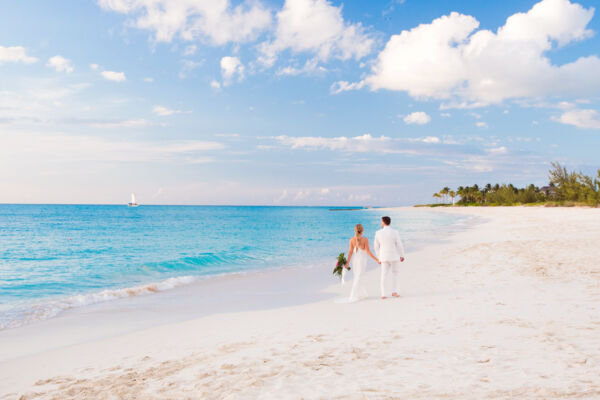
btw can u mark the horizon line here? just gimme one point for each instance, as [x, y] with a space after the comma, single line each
[198, 205]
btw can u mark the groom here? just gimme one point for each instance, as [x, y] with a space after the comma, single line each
[390, 252]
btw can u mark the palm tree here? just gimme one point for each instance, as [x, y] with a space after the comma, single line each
[461, 192]
[444, 192]
[486, 190]
[476, 193]
[477, 196]
[563, 186]
[452, 194]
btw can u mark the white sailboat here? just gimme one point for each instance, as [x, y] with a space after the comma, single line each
[133, 203]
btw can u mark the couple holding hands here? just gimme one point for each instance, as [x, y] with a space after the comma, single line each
[390, 253]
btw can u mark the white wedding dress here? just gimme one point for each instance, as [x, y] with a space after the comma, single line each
[359, 266]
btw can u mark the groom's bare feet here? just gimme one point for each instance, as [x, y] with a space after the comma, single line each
[395, 294]
[383, 297]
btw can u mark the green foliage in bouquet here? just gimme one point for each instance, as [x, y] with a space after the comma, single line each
[341, 261]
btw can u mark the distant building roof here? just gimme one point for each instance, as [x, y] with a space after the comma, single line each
[548, 189]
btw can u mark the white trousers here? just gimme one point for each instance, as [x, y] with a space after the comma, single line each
[387, 268]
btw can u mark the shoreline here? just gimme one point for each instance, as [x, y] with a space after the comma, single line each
[216, 294]
[280, 287]
[74, 302]
[70, 305]
[254, 289]
[503, 309]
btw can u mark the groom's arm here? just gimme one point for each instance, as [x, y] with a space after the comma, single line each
[377, 245]
[399, 246]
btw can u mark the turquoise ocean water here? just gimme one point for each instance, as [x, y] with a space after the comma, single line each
[56, 257]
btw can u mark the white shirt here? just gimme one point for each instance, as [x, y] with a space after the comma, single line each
[388, 245]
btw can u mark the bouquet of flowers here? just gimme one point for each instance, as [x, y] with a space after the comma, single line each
[339, 267]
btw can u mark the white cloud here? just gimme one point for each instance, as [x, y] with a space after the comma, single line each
[357, 144]
[476, 154]
[188, 66]
[40, 101]
[411, 60]
[215, 21]
[417, 117]
[302, 195]
[481, 167]
[585, 119]
[497, 150]
[367, 144]
[60, 64]
[67, 148]
[359, 197]
[15, 54]
[564, 105]
[95, 67]
[316, 27]
[230, 68]
[481, 124]
[281, 197]
[310, 66]
[450, 59]
[215, 84]
[431, 139]
[344, 86]
[165, 112]
[113, 76]
[148, 80]
[190, 50]
[446, 115]
[200, 160]
[127, 123]
[317, 194]
[461, 105]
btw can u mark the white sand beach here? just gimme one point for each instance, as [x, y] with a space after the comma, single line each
[509, 308]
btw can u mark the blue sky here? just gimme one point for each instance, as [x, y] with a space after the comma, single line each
[291, 102]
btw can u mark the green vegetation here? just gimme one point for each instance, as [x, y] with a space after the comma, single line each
[565, 189]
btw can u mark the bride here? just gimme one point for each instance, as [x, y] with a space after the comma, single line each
[357, 254]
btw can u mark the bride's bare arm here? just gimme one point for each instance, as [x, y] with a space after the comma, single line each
[350, 251]
[369, 251]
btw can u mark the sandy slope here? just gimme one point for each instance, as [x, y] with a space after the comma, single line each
[507, 309]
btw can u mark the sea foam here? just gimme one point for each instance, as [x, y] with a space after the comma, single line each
[51, 308]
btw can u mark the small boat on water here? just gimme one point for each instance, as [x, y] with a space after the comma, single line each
[133, 203]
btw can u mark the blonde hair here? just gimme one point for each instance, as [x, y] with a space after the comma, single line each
[358, 229]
